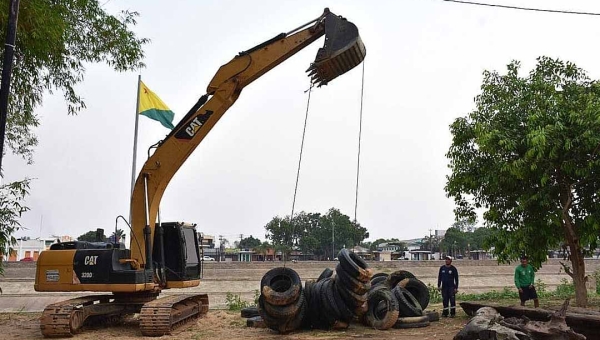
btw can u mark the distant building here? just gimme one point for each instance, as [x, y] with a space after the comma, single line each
[390, 251]
[206, 241]
[30, 248]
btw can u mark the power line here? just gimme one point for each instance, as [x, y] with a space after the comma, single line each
[522, 8]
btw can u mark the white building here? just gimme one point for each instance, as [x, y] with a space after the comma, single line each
[30, 248]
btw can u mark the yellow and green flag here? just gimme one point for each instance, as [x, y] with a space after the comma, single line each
[152, 107]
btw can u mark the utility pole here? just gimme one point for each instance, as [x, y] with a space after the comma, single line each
[332, 240]
[9, 52]
[220, 247]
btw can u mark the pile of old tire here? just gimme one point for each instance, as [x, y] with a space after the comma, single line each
[412, 297]
[335, 300]
[282, 304]
[383, 308]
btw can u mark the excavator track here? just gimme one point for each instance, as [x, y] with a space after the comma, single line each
[65, 318]
[160, 317]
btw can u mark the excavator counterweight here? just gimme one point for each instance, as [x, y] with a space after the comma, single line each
[343, 50]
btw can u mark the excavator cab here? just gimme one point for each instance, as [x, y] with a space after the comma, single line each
[343, 50]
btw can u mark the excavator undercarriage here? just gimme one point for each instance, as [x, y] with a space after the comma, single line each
[156, 316]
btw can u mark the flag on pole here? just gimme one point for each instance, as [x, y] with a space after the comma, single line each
[152, 107]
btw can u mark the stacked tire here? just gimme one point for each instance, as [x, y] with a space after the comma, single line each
[411, 295]
[334, 301]
[353, 277]
[282, 304]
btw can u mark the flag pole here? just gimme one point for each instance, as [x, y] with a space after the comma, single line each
[135, 135]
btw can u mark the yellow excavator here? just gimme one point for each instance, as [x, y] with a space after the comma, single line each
[166, 255]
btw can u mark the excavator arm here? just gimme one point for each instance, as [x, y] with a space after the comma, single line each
[343, 50]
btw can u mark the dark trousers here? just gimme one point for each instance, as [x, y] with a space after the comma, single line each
[448, 298]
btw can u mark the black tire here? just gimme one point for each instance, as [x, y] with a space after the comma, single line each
[270, 321]
[354, 265]
[249, 312]
[397, 276]
[407, 304]
[380, 275]
[294, 323]
[308, 289]
[432, 315]
[281, 286]
[285, 312]
[316, 308]
[280, 274]
[346, 314]
[412, 322]
[255, 322]
[325, 274]
[328, 306]
[350, 282]
[308, 292]
[418, 289]
[382, 316]
[378, 280]
[351, 299]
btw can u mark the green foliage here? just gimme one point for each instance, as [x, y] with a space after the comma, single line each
[118, 235]
[529, 156]
[563, 291]
[249, 243]
[90, 236]
[596, 277]
[505, 294]
[458, 240]
[256, 296]
[235, 302]
[311, 232]
[56, 40]
[434, 294]
[12, 196]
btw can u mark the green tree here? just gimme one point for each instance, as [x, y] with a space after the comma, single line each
[90, 236]
[312, 232]
[249, 243]
[117, 235]
[263, 248]
[529, 155]
[12, 196]
[454, 242]
[56, 40]
[481, 238]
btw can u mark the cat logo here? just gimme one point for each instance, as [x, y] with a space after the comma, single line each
[191, 128]
[90, 260]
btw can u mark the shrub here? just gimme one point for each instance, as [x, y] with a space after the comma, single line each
[234, 302]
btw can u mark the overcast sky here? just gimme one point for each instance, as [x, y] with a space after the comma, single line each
[424, 67]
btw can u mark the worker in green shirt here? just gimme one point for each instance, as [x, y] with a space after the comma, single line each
[524, 280]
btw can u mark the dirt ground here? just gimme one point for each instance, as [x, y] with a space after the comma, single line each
[220, 324]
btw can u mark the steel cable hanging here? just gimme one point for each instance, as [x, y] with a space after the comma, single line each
[362, 88]
[298, 172]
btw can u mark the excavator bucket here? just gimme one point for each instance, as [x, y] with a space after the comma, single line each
[343, 50]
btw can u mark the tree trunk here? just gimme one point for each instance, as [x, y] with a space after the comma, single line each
[579, 279]
[576, 256]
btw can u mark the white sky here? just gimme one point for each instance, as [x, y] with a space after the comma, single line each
[423, 69]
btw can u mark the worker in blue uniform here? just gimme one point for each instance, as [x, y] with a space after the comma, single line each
[448, 285]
